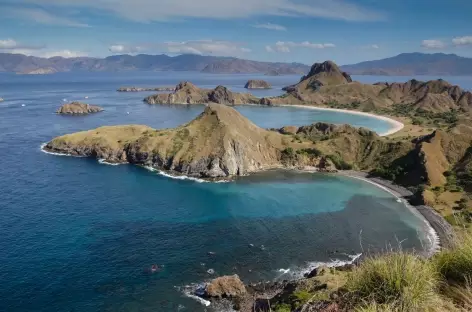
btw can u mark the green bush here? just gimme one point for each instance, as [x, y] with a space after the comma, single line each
[339, 162]
[310, 152]
[283, 308]
[455, 265]
[402, 280]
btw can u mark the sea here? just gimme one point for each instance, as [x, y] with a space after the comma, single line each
[77, 234]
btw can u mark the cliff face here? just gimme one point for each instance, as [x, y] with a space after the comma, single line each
[77, 108]
[326, 84]
[188, 93]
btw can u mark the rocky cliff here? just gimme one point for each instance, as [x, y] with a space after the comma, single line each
[188, 93]
[77, 108]
[257, 84]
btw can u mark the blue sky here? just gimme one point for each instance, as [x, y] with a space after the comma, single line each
[346, 31]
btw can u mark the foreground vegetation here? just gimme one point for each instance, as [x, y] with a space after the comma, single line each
[395, 282]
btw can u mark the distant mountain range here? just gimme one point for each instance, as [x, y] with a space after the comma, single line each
[22, 64]
[409, 64]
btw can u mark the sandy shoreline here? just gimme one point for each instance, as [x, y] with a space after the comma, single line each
[441, 232]
[397, 126]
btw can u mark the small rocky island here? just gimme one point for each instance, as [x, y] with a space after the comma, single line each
[77, 108]
[257, 84]
[139, 89]
[188, 93]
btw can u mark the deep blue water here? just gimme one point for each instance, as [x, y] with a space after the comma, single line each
[76, 235]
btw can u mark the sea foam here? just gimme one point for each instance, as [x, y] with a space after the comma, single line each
[182, 177]
[57, 154]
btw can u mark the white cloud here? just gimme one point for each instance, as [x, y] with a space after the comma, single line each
[433, 44]
[63, 53]
[10, 45]
[286, 46]
[271, 26]
[120, 48]
[200, 47]
[374, 46]
[152, 10]
[42, 17]
[269, 49]
[462, 40]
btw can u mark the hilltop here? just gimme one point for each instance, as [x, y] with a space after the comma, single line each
[19, 63]
[408, 64]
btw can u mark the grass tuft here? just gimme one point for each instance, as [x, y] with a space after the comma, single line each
[404, 281]
[455, 265]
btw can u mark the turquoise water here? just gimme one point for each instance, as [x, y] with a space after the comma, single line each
[76, 235]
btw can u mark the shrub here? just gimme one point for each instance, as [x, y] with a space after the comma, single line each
[339, 162]
[399, 279]
[455, 265]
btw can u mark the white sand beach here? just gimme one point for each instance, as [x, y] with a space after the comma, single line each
[396, 125]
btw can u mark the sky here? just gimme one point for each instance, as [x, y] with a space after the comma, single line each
[306, 31]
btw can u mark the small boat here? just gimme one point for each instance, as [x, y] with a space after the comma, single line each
[211, 253]
[155, 268]
[23, 105]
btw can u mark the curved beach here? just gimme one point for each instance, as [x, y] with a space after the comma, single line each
[441, 232]
[396, 125]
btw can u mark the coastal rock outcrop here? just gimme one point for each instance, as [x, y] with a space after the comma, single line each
[77, 108]
[141, 89]
[257, 84]
[188, 93]
[226, 286]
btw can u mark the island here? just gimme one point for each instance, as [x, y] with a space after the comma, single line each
[77, 108]
[139, 89]
[188, 93]
[428, 165]
[257, 84]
